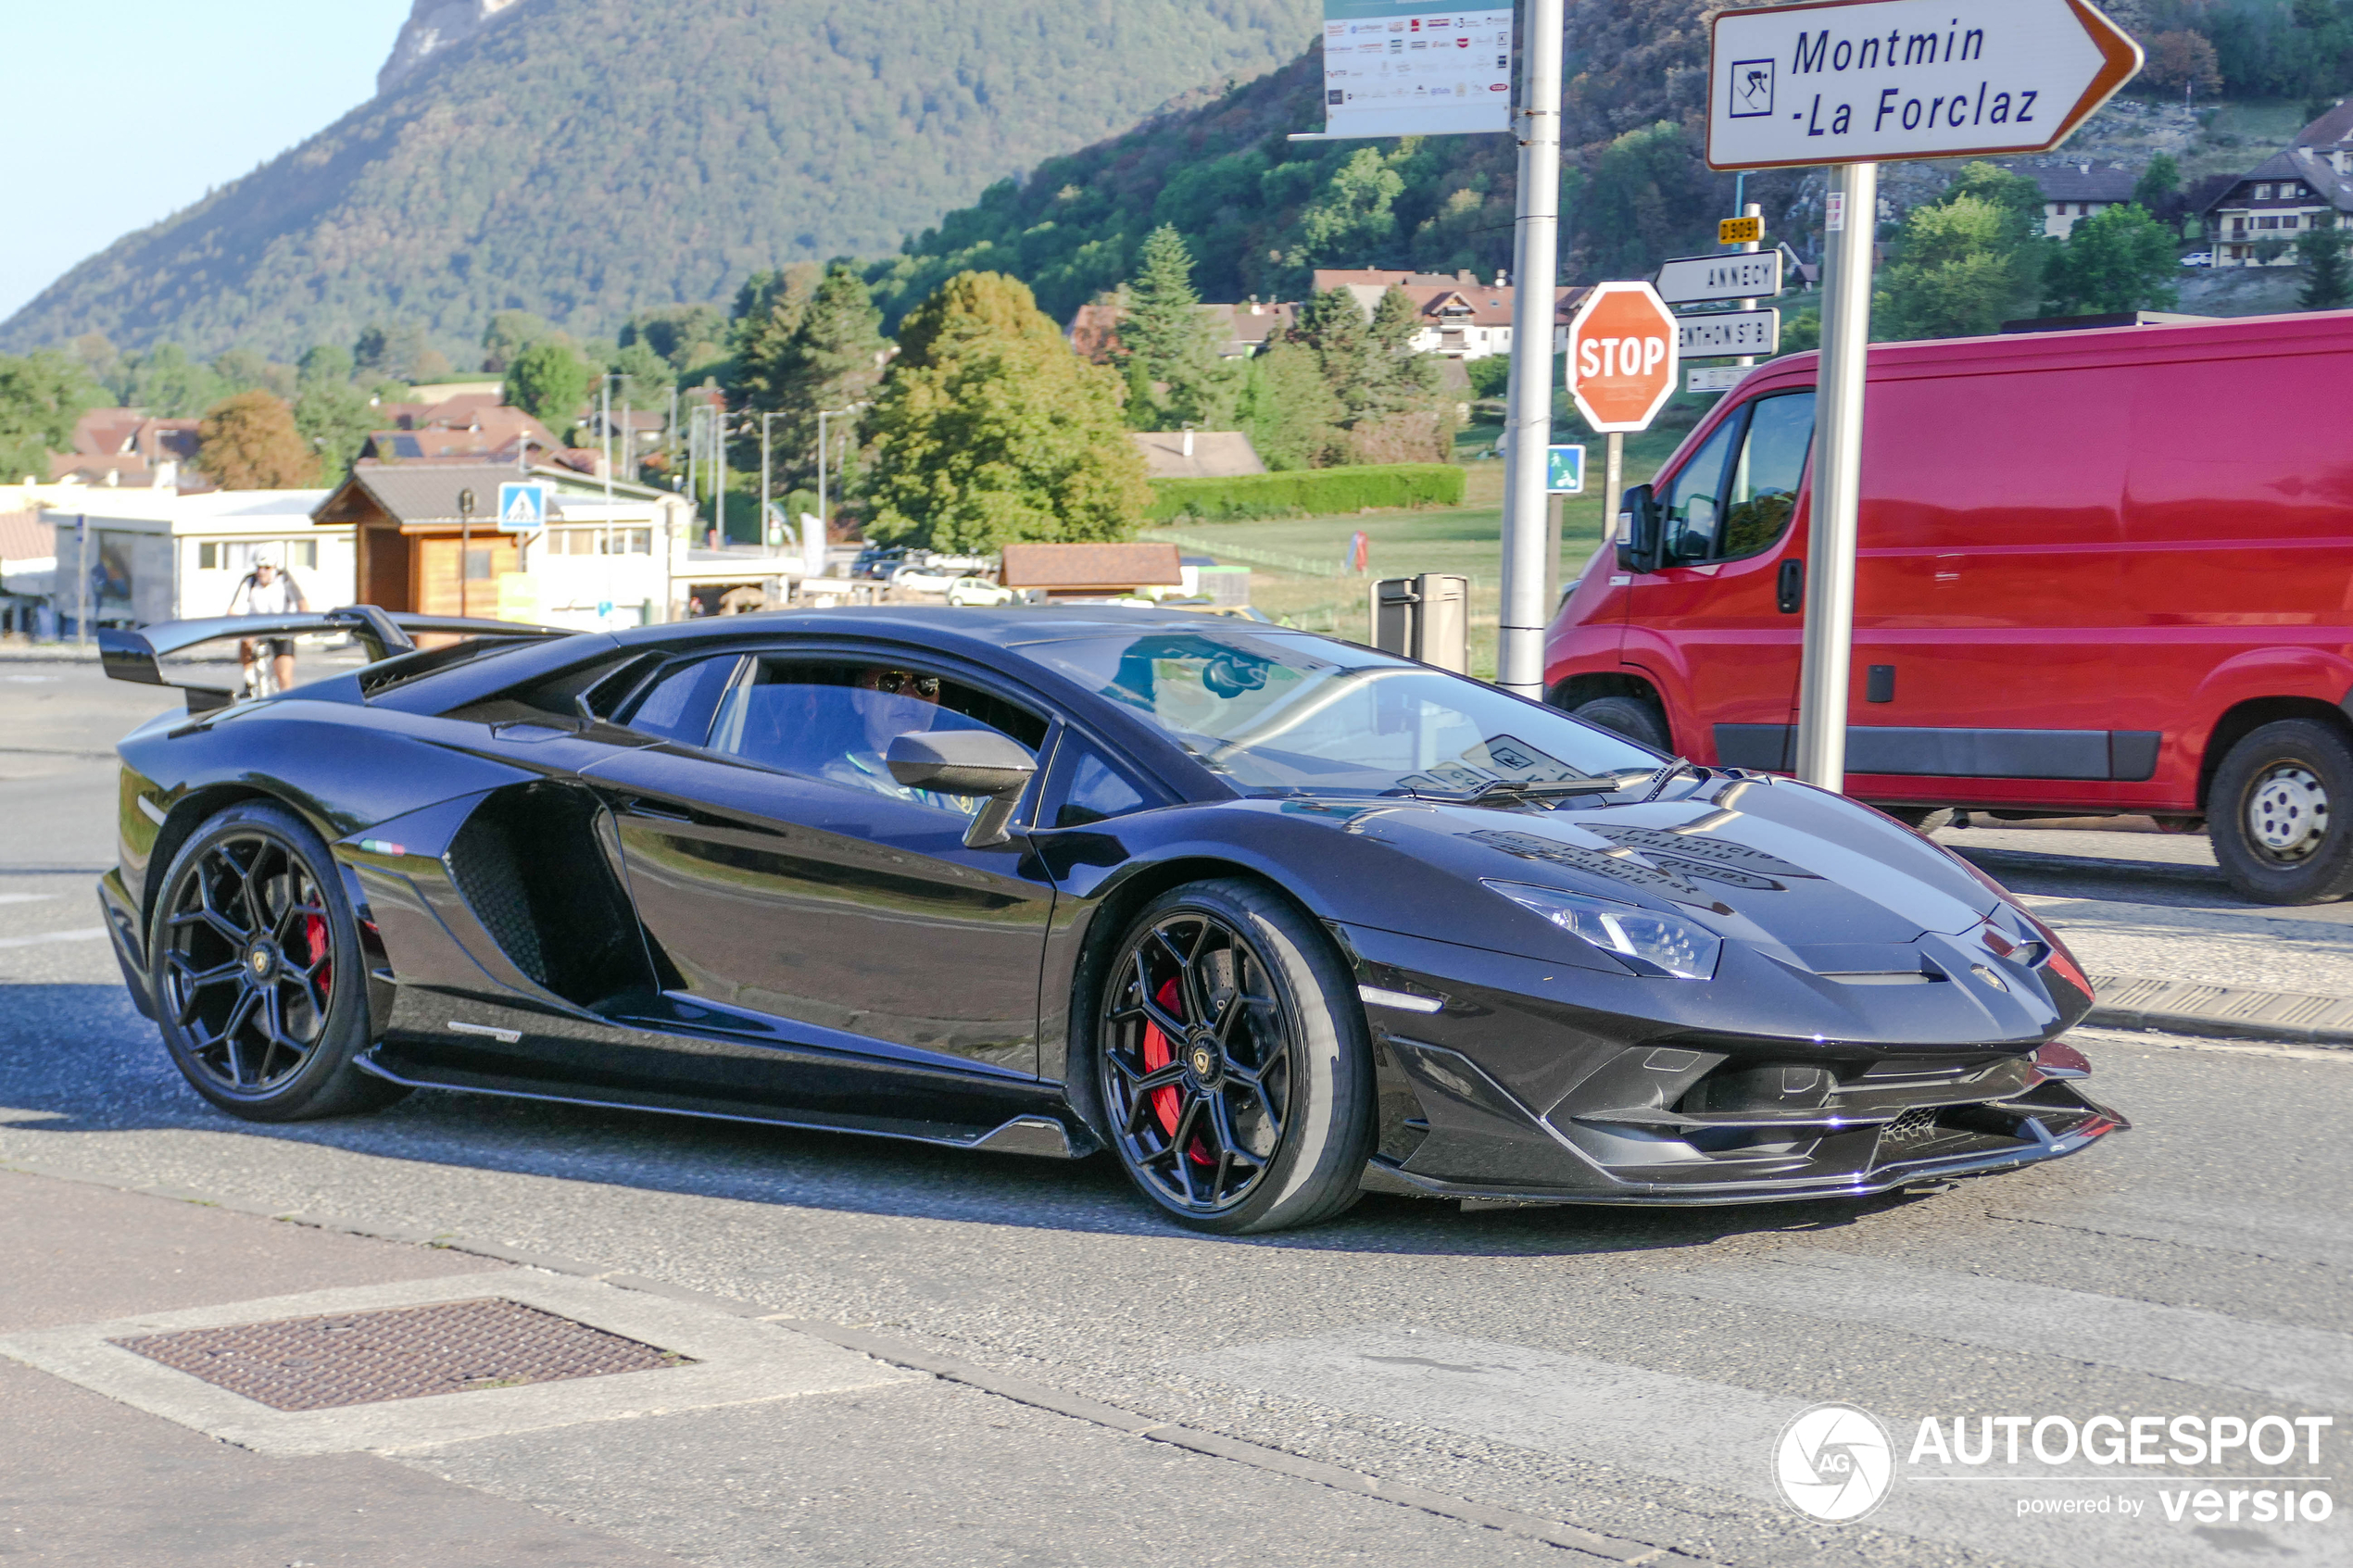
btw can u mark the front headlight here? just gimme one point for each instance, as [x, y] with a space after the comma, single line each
[1645, 942]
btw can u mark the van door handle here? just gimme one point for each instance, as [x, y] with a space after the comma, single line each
[1791, 587]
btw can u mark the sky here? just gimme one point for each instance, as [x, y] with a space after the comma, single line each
[137, 107]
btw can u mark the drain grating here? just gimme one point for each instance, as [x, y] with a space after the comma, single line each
[406, 1353]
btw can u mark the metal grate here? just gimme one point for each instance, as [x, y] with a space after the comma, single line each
[404, 1353]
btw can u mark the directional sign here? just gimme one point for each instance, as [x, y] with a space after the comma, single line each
[1739, 231]
[1878, 80]
[1715, 378]
[1728, 331]
[1621, 356]
[1564, 470]
[522, 508]
[1692, 280]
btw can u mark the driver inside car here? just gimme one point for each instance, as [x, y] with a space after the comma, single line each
[890, 703]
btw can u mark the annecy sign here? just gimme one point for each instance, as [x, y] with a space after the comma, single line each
[1865, 80]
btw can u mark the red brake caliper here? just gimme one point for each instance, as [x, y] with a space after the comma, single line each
[1157, 1055]
[314, 936]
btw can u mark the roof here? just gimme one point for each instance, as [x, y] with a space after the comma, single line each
[2305, 164]
[427, 492]
[1216, 454]
[1329, 278]
[24, 536]
[2081, 181]
[2334, 129]
[1091, 567]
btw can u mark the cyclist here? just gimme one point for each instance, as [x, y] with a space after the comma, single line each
[267, 590]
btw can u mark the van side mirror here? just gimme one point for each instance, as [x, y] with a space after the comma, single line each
[977, 762]
[1638, 531]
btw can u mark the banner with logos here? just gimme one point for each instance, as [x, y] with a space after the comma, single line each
[1412, 68]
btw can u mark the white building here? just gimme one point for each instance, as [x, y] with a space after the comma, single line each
[2309, 185]
[154, 554]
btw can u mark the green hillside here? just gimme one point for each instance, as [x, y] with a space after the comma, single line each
[591, 159]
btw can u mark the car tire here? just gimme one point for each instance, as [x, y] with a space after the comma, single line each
[254, 964]
[1231, 1060]
[2281, 813]
[1921, 819]
[1628, 716]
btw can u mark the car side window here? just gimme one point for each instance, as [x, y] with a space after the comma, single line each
[1088, 788]
[679, 702]
[1762, 496]
[835, 721]
[1693, 513]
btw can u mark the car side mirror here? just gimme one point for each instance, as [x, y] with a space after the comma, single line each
[977, 762]
[1638, 531]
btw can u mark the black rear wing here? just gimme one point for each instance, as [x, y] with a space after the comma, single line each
[136, 655]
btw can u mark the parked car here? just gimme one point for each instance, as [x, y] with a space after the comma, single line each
[2100, 571]
[980, 591]
[2198, 258]
[1274, 919]
[878, 561]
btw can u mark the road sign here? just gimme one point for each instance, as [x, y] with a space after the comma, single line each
[1739, 231]
[1877, 80]
[1564, 470]
[1721, 332]
[522, 508]
[1715, 378]
[1693, 280]
[1412, 68]
[1621, 356]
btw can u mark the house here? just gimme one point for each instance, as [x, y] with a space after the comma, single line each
[1197, 453]
[126, 448]
[469, 427]
[418, 546]
[2307, 185]
[153, 554]
[1091, 571]
[1459, 317]
[28, 572]
[2072, 192]
[1240, 331]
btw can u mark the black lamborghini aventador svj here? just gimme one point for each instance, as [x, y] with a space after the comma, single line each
[1276, 919]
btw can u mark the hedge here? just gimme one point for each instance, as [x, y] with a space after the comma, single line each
[1308, 490]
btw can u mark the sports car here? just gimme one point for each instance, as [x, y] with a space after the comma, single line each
[1275, 919]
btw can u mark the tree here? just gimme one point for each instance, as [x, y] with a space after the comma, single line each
[548, 381]
[1967, 261]
[249, 442]
[322, 364]
[395, 352]
[2182, 60]
[42, 395]
[167, 383]
[2328, 282]
[2159, 186]
[990, 430]
[1288, 410]
[509, 333]
[334, 417]
[830, 359]
[1351, 219]
[2117, 260]
[1166, 341]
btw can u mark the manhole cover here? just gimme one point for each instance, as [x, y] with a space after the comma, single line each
[404, 1353]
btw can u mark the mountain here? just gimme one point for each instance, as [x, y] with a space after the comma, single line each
[1261, 212]
[589, 160]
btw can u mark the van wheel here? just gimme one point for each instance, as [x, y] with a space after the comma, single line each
[1921, 819]
[2282, 814]
[1628, 716]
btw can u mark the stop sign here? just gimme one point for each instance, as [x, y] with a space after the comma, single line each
[1621, 356]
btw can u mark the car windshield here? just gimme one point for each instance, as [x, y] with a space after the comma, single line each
[1281, 714]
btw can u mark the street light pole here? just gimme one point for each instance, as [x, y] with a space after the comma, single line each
[1519, 655]
[766, 415]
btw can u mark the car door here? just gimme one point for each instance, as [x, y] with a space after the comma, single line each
[784, 880]
[1718, 626]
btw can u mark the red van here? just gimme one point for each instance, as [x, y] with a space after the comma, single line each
[2099, 572]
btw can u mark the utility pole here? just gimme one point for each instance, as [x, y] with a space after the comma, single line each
[1519, 654]
[81, 595]
[765, 416]
[719, 462]
[1748, 209]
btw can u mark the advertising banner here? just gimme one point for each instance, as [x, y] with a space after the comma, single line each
[1412, 68]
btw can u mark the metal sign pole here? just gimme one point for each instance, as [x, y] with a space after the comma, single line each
[1613, 480]
[1850, 225]
[1519, 655]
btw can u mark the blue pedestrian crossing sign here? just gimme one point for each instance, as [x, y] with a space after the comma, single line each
[1565, 469]
[522, 508]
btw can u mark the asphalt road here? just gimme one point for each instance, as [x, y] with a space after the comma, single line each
[1625, 1372]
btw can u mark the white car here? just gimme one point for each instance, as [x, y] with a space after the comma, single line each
[2198, 258]
[979, 591]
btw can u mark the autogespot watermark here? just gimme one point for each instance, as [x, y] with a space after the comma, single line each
[1836, 1464]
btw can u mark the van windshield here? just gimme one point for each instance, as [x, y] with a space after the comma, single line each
[1294, 714]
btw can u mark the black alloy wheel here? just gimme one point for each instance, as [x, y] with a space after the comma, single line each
[2281, 813]
[1232, 1062]
[256, 972]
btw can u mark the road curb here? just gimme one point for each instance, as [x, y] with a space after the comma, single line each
[2230, 1013]
[894, 1351]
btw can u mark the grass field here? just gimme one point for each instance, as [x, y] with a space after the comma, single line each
[1465, 539]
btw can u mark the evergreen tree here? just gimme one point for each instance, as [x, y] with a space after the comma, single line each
[1331, 326]
[1400, 377]
[2328, 282]
[1168, 341]
[1289, 411]
[249, 442]
[2117, 260]
[831, 358]
[990, 430]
